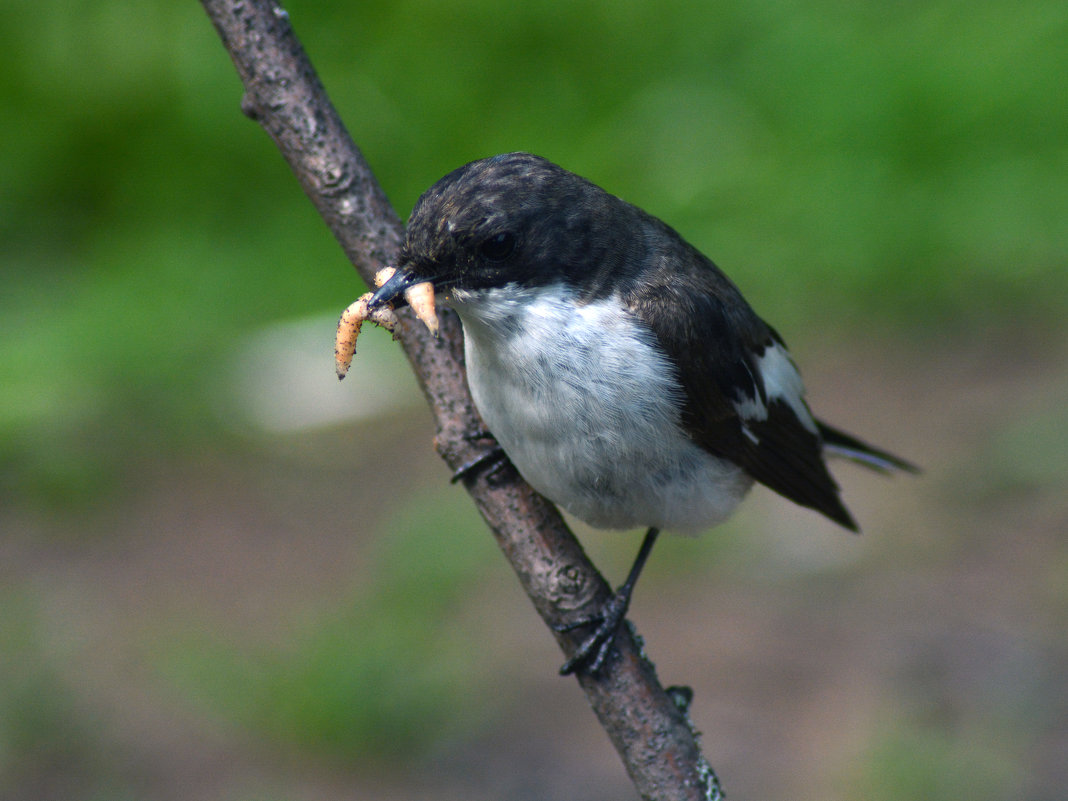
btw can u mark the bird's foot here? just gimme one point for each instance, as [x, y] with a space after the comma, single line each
[592, 653]
[493, 460]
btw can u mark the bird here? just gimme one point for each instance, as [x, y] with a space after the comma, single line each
[621, 371]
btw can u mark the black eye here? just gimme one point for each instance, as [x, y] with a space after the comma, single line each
[498, 247]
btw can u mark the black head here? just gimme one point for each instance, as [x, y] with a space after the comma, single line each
[513, 218]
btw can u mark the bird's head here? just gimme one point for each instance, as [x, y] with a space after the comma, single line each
[510, 219]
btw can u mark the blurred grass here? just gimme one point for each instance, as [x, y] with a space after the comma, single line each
[388, 674]
[49, 743]
[925, 765]
[892, 168]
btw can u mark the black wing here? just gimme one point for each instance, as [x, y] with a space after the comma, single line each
[743, 397]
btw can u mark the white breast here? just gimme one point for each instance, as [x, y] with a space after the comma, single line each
[587, 410]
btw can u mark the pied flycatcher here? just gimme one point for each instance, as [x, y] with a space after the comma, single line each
[621, 371]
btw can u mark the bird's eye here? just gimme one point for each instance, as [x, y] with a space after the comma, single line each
[499, 246]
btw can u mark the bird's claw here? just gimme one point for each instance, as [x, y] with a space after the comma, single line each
[492, 461]
[593, 651]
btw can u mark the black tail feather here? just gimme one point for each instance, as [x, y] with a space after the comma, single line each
[840, 443]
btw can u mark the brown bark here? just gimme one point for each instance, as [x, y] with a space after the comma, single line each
[283, 94]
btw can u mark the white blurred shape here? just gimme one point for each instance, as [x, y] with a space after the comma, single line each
[282, 379]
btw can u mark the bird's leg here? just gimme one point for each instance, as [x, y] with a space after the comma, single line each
[591, 655]
[492, 460]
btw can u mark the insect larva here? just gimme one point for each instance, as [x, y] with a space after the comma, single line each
[419, 296]
[348, 329]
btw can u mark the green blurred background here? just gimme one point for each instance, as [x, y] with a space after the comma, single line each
[223, 575]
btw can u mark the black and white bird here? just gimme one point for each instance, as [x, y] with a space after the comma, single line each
[621, 371]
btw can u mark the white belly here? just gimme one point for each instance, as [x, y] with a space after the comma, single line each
[594, 429]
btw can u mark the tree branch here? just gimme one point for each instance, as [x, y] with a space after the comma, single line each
[649, 729]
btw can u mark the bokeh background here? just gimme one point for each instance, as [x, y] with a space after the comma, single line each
[225, 576]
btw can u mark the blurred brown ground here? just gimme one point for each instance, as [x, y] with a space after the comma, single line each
[813, 655]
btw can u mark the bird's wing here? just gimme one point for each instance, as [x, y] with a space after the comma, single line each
[744, 400]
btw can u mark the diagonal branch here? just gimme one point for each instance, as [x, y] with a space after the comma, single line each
[283, 94]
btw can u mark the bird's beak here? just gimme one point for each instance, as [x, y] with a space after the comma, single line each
[402, 288]
[393, 291]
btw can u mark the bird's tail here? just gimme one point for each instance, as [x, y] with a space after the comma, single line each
[839, 443]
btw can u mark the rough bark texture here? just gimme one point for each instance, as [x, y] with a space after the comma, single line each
[647, 725]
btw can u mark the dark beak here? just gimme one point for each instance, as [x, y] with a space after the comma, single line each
[393, 290]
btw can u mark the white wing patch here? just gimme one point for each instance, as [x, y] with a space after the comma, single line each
[782, 381]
